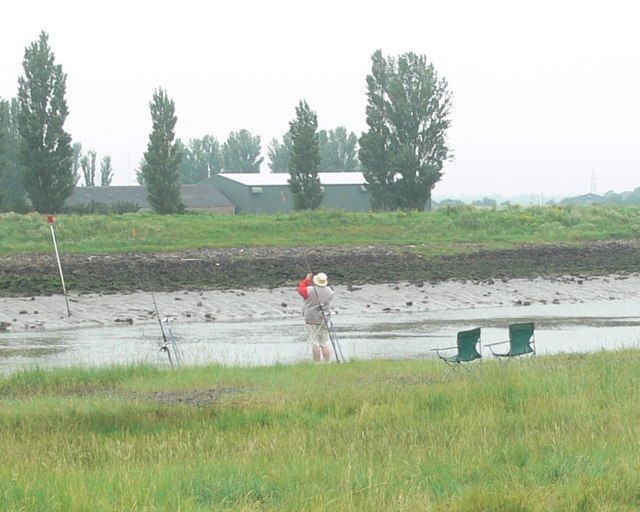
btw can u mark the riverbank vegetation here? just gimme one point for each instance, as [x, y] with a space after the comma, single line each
[557, 433]
[446, 231]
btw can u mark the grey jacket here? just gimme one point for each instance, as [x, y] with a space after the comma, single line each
[316, 300]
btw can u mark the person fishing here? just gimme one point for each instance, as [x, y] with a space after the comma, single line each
[317, 297]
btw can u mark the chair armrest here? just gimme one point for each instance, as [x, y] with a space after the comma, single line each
[443, 348]
[496, 343]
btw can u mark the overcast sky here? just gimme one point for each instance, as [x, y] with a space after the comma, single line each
[546, 93]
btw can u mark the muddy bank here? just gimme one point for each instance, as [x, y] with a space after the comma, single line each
[88, 310]
[37, 274]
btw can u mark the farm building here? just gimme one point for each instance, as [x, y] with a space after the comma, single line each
[201, 197]
[269, 193]
[584, 200]
[239, 193]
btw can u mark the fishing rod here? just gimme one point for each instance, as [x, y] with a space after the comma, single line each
[165, 344]
[326, 318]
[333, 333]
[331, 328]
[174, 342]
[327, 314]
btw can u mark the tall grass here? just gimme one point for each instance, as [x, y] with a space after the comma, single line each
[558, 433]
[439, 231]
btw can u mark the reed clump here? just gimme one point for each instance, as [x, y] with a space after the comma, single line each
[557, 433]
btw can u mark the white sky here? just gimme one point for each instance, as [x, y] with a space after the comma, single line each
[546, 93]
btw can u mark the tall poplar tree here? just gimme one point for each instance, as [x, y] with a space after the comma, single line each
[304, 182]
[404, 150]
[13, 192]
[106, 171]
[76, 148]
[201, 159]
[338, 150]
[88, 165]
[45, 147]
[4, 148]
[241, 152]
[280, 154]
[160, 167]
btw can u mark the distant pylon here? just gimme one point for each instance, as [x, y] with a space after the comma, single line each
[593, 189]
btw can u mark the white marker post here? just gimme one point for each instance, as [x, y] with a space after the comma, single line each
[55, 246]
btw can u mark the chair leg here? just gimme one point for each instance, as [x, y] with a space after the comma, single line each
[452, 368]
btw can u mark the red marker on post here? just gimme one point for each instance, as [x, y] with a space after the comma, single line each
[55, 246]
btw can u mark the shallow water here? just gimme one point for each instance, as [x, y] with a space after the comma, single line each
[581, 327]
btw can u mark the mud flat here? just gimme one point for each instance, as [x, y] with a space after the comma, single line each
[19, 314]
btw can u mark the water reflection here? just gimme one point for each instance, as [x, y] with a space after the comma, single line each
[393, 335]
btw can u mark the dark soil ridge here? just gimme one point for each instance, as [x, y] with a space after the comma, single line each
[269, 267]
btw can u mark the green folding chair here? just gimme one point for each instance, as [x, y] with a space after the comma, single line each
[468, 350]
[521, 342]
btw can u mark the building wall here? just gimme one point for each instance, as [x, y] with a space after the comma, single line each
[353, 198]
[269, 199]
[195, 197]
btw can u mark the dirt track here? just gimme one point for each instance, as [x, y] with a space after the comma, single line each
[37, 274]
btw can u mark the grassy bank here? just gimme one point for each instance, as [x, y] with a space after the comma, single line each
[444, 231]
[560, 433]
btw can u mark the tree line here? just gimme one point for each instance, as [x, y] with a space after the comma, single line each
[401, 155]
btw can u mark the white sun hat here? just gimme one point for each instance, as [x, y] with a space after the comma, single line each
[320, 279]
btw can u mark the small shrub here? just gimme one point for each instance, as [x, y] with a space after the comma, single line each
[122, 207]
[95, 207]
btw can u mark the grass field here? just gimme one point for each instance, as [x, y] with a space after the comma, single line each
[558, 433]
[444, 231]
